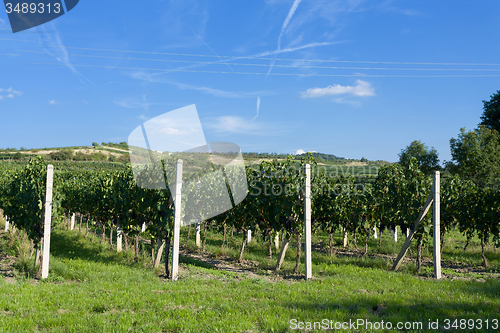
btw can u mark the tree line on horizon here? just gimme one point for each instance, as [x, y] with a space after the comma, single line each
[475, 154]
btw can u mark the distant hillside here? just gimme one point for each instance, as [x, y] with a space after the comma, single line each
[106, 152]
[319, 157]
[118, 152]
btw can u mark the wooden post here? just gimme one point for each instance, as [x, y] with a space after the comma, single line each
[375, 232]
[249, 235]
[307, 223]
[281, 257]
[198, 238]
[395, 234]
[344, 237]
[72, 221]
[436, 216]
[159, 251]
[409, 238]
[177, 221]
[47, 222]
[6, 223]
[119, 235]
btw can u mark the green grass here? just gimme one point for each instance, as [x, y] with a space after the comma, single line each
[452, 255]
[94, 289]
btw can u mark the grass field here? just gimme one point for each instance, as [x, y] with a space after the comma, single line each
[94, 289]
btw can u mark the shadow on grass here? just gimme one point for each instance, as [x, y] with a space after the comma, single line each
[194, 262]
[381, 259]
[471, 258]
[72, 245]
[375, 308]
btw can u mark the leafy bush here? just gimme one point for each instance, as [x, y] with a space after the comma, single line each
[61, 155]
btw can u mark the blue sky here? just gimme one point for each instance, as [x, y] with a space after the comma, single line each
[351, 78]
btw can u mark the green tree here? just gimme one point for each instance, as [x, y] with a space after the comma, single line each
[427, 158]
[61, 155]
[95, 144]
[476, 155]
[491, 112]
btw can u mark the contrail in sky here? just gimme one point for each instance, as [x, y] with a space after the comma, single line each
[51, 41]
[283, 28]
[258, 107]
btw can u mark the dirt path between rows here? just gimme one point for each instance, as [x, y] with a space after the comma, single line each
[247, 267]
[221, 264]
[225, 263]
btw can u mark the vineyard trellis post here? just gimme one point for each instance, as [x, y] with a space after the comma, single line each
[198, 237]
[249, 235]
[307, 222]
[6, 223]
[412, 232]
[119, 235]
[177, 221]
[72, 222]
[436, 216]
[432, 199]
[47, 222]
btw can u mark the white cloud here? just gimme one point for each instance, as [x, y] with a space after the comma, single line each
[238, 125]
[128, 104]
[133, 103]
[387, 6]
[361, 89]
[302, 151]
[235, 124]
[208, 90]
[52, 102]
[9, 93]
